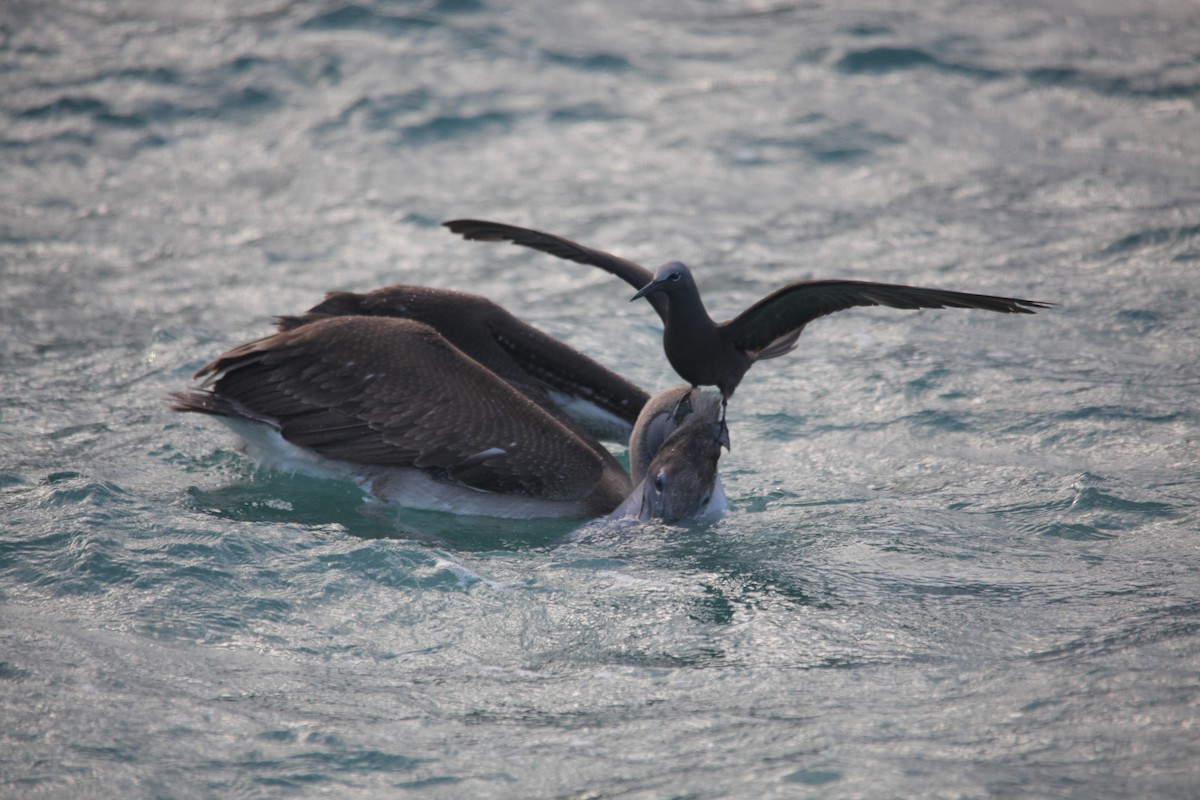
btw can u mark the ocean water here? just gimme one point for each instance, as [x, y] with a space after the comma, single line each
[962, 555]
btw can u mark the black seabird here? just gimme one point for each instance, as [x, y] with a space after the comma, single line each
[708, 353]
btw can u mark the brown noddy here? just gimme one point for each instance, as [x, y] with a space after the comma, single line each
[708, 353]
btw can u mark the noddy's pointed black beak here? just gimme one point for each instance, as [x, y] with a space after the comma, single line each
[649, 288]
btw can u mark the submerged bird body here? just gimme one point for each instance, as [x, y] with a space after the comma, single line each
[708, 353]
[392, 404]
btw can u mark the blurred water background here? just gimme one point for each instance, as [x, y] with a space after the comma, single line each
[961, 560]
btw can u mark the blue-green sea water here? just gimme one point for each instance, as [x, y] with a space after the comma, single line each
[962, 556]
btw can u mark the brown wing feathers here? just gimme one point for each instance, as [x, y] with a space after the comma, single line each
[393, 392]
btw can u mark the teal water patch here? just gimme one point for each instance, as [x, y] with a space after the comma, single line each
[263, 496]
[1089, 498]
[64, 535]
[9, 479]
[584, 112]
[447, 127]
[1141, 322]
[11, 672]
[814, 776]
[588, 62]
[385, 565]
[1151, 237]
[277, 497]
[352, 16]
[380, 112]
[1153, 85]
[1160, 623]
[71, 105]
[94, 115]
[1075, 531]
[1092, 508]
[71, 488]
[941, 420]
[815, 141]
[885, 59]
[430, 782]
[316, 767]
[227, 463]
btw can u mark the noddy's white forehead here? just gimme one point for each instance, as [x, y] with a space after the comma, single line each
[671, 266]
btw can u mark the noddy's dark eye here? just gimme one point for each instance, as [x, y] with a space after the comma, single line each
[674, 276]
[660, 482]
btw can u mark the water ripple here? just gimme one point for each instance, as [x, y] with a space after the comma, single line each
[1152, 237]
[589, 62]
[960, 546]
[1161, 623]
[1151, 86]
[353, 16]
[446, 127]
[884, 59]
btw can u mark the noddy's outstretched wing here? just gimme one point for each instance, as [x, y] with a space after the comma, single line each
[797, 304]
[635, 275]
